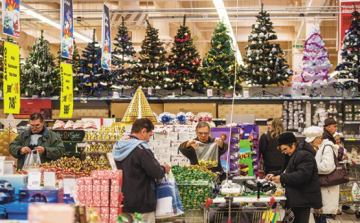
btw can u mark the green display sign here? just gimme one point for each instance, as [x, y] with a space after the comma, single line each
[70, 139]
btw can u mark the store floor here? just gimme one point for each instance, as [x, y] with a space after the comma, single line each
[344, 218]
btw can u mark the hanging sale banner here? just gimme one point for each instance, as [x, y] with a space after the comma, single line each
[67, 29]
[106, 39]
[11, 87]
[347, 7]
[11, 17]
[66, 96]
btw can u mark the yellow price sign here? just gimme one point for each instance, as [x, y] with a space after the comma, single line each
[11, 86]
[67, 93]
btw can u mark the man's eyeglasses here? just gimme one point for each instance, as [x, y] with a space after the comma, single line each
[35, 126]
[203, 133]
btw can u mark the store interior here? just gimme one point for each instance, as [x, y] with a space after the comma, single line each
[230, 63]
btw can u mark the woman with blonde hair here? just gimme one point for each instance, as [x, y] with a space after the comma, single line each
[273, 158]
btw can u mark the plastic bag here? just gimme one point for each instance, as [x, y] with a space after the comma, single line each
[208, 154]
[31, 159]
[168, 198]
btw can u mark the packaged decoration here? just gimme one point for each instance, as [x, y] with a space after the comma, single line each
[181, 118]
[206, 117]
[59, 125]
[167, 118]
[190, 118]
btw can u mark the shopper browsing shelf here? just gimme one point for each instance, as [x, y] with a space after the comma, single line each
[38, 138]
[140, 170]
[330, 127]
[342, 154]
[326, 165]
[273, 158]
[299, 177]
[203, 135]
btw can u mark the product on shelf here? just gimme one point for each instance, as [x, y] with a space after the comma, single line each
[104, 134]
[89, 124]
[6, 137]
[69, 125]
[102, 191]
[79, 124]
[59, 125]
[69, 167]
[293, 115]
[99, 147]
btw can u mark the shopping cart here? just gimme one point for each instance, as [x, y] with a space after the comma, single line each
[346, 198]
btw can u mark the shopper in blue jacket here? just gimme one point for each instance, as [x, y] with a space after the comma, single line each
[140, 170]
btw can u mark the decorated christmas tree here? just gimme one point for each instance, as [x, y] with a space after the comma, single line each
[93, 79]
[75, 64]
[219, 64]
[10, 40]
[40, 76]
[152, 61]
[184, 61]
[264, 62]
[349, 66]
[315, 65]
[123, 58]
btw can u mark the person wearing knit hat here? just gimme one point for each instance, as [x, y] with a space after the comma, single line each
[330, 127]
[314, 136]
[299, 178]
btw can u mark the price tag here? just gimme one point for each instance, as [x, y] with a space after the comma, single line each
[111, 161]
[2, 165]
[49, 179]
[209, 92]
[69, 183]
[34, 179]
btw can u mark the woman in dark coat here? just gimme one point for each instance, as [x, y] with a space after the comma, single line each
[299, 178]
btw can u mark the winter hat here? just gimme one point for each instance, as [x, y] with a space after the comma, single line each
[312, 132]
[336, 134]
[329, 121]
[286, 138]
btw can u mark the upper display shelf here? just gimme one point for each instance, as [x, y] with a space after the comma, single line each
[197, 98]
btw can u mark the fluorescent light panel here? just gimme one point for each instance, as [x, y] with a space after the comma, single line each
[49, 21]
[223, 15]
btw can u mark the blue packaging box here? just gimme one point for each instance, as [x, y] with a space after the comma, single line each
[13, 182]
[41, 195]
[17, 211]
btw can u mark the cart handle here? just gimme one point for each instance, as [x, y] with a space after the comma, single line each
[208, 202]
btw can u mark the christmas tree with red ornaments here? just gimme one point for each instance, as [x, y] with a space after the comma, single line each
[184, 61]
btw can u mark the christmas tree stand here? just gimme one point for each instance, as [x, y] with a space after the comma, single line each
[264, 93]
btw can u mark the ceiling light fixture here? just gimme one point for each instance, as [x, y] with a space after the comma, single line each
[223, 15]
[32, 12]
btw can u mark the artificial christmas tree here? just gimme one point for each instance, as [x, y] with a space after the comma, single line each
[184, 62]
[315, 65]
[123, 58]
[264, 62]
[152, 61]
[93, 79]
[220, 63]
[349, 67]
[40, 76]
[10, 40]
[75, 65]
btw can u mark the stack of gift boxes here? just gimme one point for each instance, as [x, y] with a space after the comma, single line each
[166, 141]
[102, 191]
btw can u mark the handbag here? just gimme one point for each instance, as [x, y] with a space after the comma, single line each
[337, 177]
[289, 216]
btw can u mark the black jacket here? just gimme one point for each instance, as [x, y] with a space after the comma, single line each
[300, 180]
[268, 148]
[140, 169]
[191, 154]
